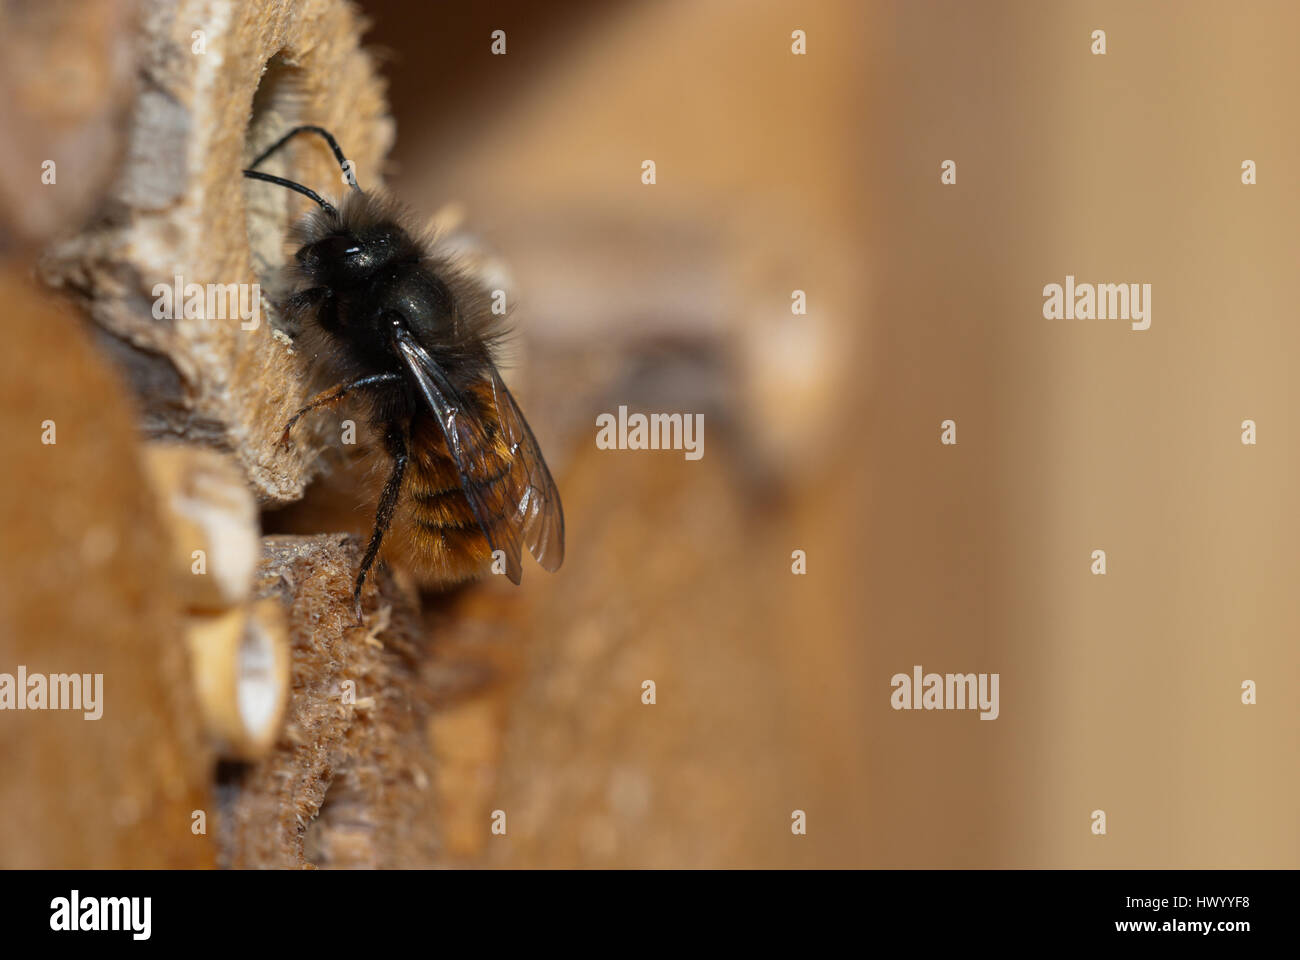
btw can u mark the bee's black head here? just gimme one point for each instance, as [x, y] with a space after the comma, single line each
[376, 276]
[346, 260]
[360, 269]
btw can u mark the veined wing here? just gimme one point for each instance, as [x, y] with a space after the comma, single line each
[500, 467]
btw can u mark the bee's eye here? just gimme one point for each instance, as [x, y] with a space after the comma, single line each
[337, 248]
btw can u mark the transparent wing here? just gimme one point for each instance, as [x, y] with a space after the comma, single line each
[501, 468]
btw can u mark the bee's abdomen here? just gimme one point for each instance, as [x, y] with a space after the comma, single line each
[436, 531]
[438, 501]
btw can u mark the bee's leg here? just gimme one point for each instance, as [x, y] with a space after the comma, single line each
[334, 395]
[395, 442]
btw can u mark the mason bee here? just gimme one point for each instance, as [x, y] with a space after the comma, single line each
[401, 328]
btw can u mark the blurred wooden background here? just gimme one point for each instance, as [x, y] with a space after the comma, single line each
[775, 173]
[667, 297]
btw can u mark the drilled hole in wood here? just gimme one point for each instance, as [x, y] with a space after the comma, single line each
[270, 209]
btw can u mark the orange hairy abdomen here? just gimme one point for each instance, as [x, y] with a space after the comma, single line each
[435, 533]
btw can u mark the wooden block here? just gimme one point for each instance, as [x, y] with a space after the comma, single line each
[221, 80]
[348, 782]
[83, 590]
[240, 662]
[213, 523]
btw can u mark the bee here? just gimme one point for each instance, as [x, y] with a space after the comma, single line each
[401, 328]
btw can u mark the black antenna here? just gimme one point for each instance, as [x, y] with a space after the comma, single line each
[305, 191]
[253, 174]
